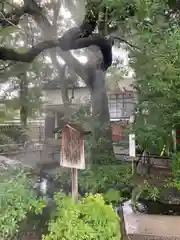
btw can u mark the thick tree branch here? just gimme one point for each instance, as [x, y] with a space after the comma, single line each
[32, 8]
[32, 53]
[74, 41]
[105, 46]
[48, 32]
[29, 56]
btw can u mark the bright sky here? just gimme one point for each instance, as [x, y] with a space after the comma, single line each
[18, 1]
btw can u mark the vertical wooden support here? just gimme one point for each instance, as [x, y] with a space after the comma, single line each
[132, 150]
[133, 169]
[74, 173]
[174, 140]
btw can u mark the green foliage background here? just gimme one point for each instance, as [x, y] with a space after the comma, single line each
[151, 26]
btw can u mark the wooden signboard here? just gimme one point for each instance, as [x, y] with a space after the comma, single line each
[72, 152]
[72, 148]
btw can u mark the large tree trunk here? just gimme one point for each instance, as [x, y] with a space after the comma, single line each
[23, 100]
[65, 94]
[102, 147]
[23, 104]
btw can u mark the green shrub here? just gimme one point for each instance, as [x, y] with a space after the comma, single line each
[153, 193]
[16, 201]
[102, 178]
[112, 181]
[14, 132]
[5, 140]
[176, 165]
[98, 179]
[113, 196]
[145, 191]
[88, 219]
[172, 183]
[150, 192]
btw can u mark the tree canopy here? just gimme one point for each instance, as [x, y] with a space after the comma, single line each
[153, 26]
[151, 30]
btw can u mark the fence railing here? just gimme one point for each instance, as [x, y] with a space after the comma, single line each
[156, 161]
[41, 153]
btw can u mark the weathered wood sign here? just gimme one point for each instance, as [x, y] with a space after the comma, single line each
[72, 152]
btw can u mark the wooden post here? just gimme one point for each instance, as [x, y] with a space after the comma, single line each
[174, 140]
[132, 161]
[74, 173]
[132, 150]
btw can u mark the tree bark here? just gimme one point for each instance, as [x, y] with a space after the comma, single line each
[65, 94]
[23, 100]
[102, 147]
[23, 104]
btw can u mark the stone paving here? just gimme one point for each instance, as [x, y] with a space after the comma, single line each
[151, 237]
[150, 227]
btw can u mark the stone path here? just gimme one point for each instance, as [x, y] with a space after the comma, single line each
[150, 227]
[152, 237]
